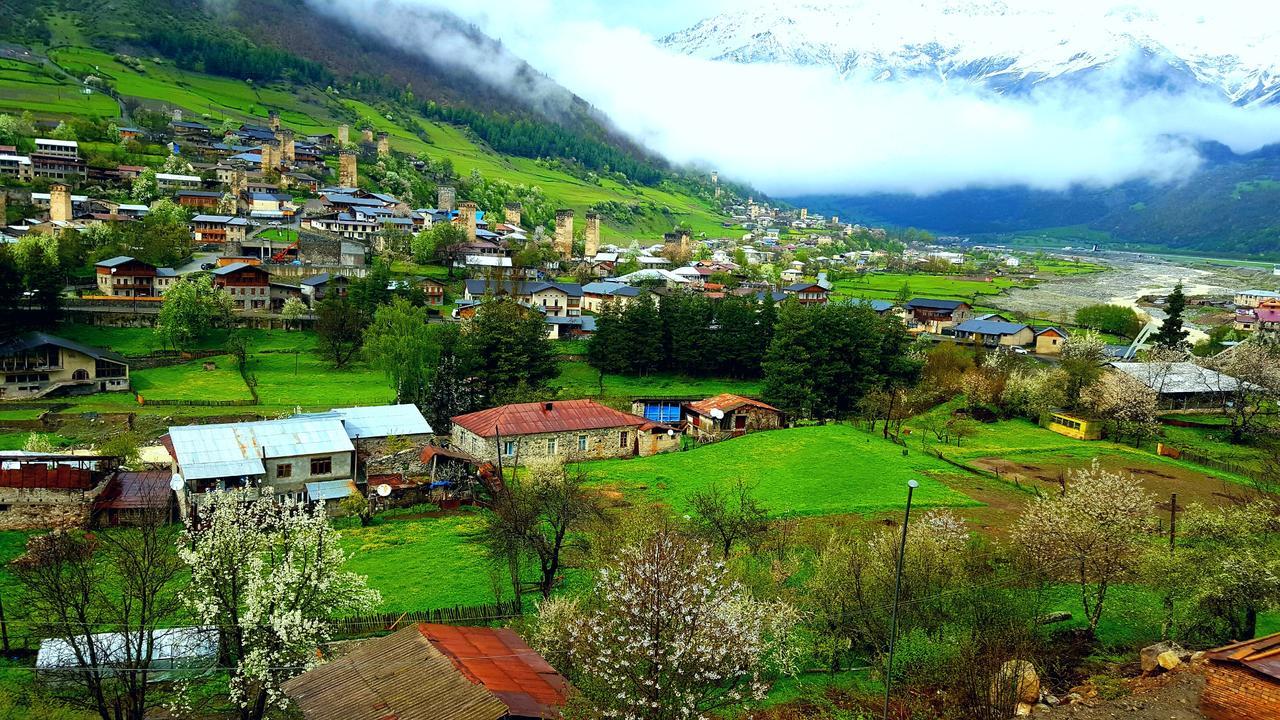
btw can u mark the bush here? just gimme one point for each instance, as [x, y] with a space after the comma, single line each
[920, 660]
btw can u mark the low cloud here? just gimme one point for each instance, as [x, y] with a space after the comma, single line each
[791, 130]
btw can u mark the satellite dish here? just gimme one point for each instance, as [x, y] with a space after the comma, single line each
[176, 483]
[717, 413]
[383, 490]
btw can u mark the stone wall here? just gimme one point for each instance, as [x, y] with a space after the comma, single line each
[347, 174]
[318, 248]
[601, 444]
[31, 509]
[446, 198]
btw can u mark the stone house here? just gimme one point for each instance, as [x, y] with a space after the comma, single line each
[728, 415]
[1243, 681]
[564, 430]
[42, 490]
[35, 364]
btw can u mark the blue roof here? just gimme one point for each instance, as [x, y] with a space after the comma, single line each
[876, 305]
[611, 288]
[935, 304]
[990, 327]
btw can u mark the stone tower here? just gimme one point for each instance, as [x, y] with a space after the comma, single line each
[715, 177]
[239, 183]
[288, 147]
[347, 168]
[60, 203]
[563, 242]
[804, 213]
[467, 218]
[446, 196]
[686, 241]
[384, 145]
[513, 214]
[177, 114]
[270, 156]
[273, 120]
[344, 134]
[835, 219]
[367, 134]
[591, 243]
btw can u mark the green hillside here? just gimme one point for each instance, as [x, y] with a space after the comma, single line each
[70, 77]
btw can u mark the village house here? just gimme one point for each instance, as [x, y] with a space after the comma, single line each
[1254, 298]
[198, 199]
[172, 182]
[1242, 681]
[1264, 316]
[1182, 385]
[433, 290]
[994, 333]
[928, 315]
[569, 328]
[728, 415]
[42, 490]
[36, 364]
[1049, 341]
[123, 276]
[248, 285]
[433, 672]
[552, 298]
[219, 229]
[595, 295]
[17, 167]
[318, 287]
[807, 293]
[564, 429]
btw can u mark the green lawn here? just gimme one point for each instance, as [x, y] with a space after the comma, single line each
[580, 380]
[818, 470]
[886, 286]
[134, 342]
[191, 381]
[286, 380]
[423, 564]
[14, 414]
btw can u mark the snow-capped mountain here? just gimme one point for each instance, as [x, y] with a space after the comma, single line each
[1006, 47]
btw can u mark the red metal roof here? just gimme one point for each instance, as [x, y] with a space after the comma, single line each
[500, 661]
[1260, 654]
[549, 417]
[726, 402]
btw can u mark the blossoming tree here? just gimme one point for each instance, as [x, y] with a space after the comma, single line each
[269, 576]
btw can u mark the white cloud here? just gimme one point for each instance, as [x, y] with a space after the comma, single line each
[792, 130]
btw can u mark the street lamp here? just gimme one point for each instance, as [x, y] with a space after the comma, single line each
[897, 590]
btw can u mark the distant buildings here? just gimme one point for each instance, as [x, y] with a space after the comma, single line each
[37, 364]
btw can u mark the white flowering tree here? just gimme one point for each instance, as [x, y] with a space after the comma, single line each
[1089, 534]
[665, 635]
[1129, 406]
[269, 576]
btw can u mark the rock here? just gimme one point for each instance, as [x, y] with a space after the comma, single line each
[1197, 657]
[1073, 698]
[1055, 617]
[1022, 709]
[1017, 680]
[1150, 653]
[1169, 660]
[1041, 707]
[1050, 700]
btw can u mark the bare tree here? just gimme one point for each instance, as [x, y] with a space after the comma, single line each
[728, 517]
[1248, 384]
[103, 596]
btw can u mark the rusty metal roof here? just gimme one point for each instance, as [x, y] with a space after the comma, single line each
[549, 417]
[135, 490]
[726, 402]
[508, 668]
[1260, 654]
[401, 676]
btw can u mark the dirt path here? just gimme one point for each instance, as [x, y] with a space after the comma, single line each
[1175, 696]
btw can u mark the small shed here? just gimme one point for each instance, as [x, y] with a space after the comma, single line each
[729, 415]
[1049, 341]
[1243, 681]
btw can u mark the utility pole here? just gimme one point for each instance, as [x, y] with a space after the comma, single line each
[897, 591]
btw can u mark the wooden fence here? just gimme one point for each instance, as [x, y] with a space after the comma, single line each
[457, 615]
[1196, 458]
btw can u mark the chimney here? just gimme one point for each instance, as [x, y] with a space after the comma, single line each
[60, 203]
[288, 146]
[367, 133]
[384, 145]
[514, 214]
[273, 120]
[445, 198]
[347, 176]
[591, 244]
[467, 217]
[564, 233]
[344, 134]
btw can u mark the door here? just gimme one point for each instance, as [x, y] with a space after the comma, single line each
[739, 424]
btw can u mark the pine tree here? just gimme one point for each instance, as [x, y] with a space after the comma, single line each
[1172, 334]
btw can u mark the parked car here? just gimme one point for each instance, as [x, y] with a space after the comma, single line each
[206, 266]
[1021, 351]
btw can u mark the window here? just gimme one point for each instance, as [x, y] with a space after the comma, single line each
[552, 446]
[622, 439]
[321, 466]
[284, 470]
[582, 443]
[509, 447]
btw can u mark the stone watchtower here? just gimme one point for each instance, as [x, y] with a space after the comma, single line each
[513, 214]
[467, 218]
[239, 183]
[270, 156]
[367, 134]
[715, 177]
[591, 244]
[446, 196]
[347, 168]
[563, 242]
[273, 120]
[288, 148]
[384, 145]
[60, 203]
[344, 134]
[804, 213]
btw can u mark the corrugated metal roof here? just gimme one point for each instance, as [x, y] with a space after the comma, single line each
[500, 661]
[331, 490]
[402, 676]
[134, 490]
[934, 304]
[990, 327]
[379, 421]
[237, 449]
[1178, 378]
[1260, 654]
[726, 402]
[535, 418]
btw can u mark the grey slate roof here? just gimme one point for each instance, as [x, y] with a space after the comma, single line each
[934, 304]
[990, 327]
[1179, 378]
